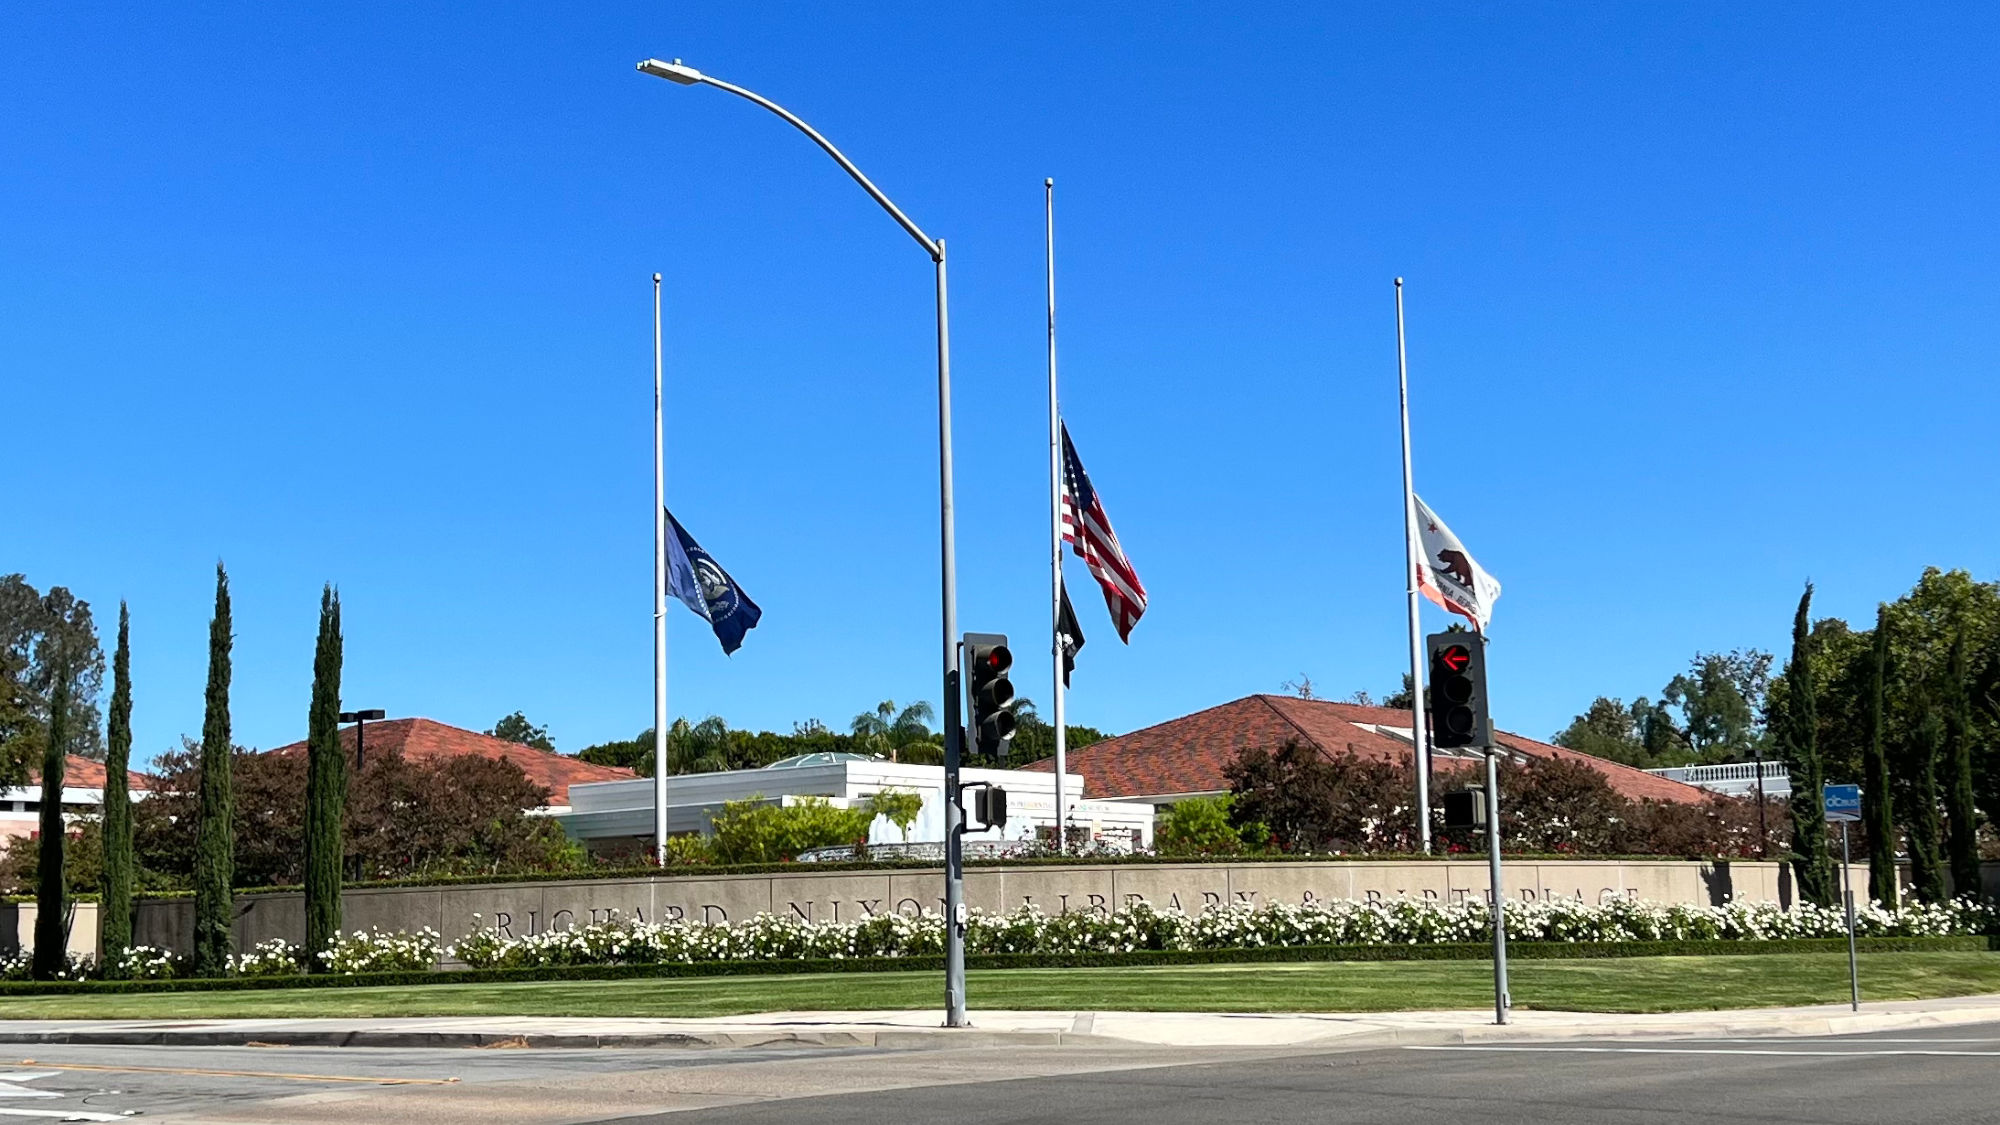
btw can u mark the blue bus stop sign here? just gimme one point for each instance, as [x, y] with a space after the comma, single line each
[1842, 802]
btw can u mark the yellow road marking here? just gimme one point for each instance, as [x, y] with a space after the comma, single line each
[242, 1074]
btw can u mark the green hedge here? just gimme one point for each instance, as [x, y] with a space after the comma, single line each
[1537, 950]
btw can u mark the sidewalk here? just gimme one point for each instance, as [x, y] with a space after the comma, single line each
[921, 1029]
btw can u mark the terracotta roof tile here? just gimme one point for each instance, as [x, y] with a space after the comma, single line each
[427, 739]
[88, 773]
[1187, 755]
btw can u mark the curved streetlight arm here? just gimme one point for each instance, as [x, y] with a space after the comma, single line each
[688, 76]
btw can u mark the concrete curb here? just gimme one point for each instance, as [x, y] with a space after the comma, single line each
[1086, 1029]
[891, 1038]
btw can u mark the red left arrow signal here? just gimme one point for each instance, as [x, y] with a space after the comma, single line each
[1456, 657]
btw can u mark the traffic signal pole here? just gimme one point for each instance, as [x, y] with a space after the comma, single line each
[1497, 891]
[954, 856]
[1460, 718]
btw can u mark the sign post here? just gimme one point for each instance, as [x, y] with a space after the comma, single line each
[1842, 804]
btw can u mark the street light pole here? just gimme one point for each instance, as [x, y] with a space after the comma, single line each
[683, 75]
[360, 719]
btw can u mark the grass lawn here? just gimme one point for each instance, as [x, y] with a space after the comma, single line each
[1639, 984]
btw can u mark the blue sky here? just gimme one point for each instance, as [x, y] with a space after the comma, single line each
[1702, 303]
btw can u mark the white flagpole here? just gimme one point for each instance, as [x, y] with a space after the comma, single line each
[659, 599]
[1055, 525]
[1417, 733]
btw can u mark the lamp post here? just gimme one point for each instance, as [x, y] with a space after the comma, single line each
[360, 719]
[955, 912]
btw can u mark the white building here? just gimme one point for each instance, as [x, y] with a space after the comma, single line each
[608, 815]
[83, 796]
[1734, 779]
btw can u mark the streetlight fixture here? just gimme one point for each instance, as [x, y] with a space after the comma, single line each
[955, 912]
[361, 719]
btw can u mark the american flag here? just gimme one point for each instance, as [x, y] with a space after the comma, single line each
[1088, 531]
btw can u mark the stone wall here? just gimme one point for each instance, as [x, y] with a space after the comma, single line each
[523, 908]
[17, 928]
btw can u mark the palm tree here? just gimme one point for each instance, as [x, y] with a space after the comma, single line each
[701, 747]
[887, 729]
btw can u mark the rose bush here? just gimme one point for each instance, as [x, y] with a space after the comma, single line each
[1401, 921]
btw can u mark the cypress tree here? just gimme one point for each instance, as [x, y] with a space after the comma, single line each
[51, 955]
[1812, 864]
[1877, 800]
[114, 910]
[326, 783]
[1920, 799]
[215, 836]
[1962, 845]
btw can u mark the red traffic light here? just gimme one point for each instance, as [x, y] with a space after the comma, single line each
[1455, 657]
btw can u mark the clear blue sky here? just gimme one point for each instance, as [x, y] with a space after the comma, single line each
[1702, 302]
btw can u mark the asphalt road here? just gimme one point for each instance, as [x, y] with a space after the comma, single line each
[1907, 1078]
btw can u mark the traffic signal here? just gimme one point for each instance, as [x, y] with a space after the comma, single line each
[989, 806]
[1458, 690]
[1465, 809]
[991, 694]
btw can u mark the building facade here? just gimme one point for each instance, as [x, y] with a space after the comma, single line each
[618, 815]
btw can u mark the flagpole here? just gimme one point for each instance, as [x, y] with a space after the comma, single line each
[659, 599]
[1417, 733]
[1055, 526]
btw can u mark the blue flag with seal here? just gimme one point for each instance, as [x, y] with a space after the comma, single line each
[702, 585]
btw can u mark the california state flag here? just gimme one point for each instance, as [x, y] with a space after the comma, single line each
[1447, 575]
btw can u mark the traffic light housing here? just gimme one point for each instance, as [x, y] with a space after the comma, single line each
[990, 694]
[1457, 699]
[1465, 809]
[989, 807]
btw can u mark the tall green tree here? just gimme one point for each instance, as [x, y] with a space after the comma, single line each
[1812, 864]
[51, 893]
[517, 728]
[1720, 698]
[114, 909]
[326, 783]
[1922, 832]
[1877, 789]
[215, 837]
[33, 628]
[1962, 845]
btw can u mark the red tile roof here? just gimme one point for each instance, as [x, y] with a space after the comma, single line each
[88, 773]
[1187, 755]
[426, 739]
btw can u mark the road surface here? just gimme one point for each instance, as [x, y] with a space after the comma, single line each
[1905, 1077]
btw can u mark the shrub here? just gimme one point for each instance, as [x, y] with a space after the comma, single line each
[376, 951]
[756, 831]
[1324, 803]
[900, 806]
[274, 958]
[1343, 922]
[142, 962]
[1203, 826]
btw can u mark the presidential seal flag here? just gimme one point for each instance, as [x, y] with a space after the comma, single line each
[702, 585]
[1448, 575]
[1088, 531]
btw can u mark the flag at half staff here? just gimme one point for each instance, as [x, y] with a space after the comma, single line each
[1088, 531]
[1448, 575]
[702, 585]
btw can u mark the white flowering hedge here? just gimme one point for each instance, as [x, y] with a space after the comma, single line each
[771, 937]
[1339, 922]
